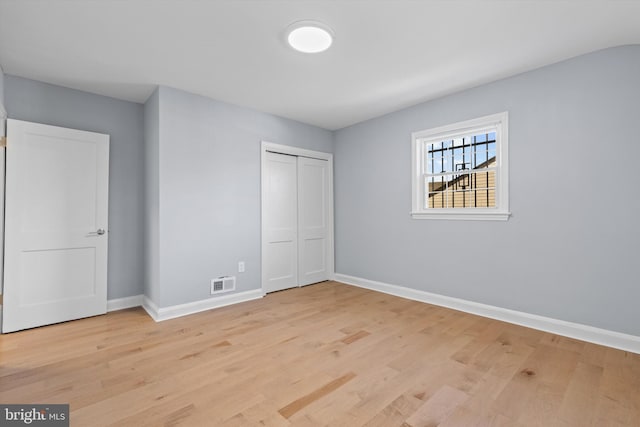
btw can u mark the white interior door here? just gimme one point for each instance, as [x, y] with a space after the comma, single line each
[56, 221]
[280, 222]
[313, 183]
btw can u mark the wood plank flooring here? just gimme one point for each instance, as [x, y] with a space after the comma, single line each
[323, 355]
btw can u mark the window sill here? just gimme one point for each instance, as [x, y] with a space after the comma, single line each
[459, 215]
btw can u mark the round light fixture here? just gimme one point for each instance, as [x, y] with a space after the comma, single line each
[309, 36]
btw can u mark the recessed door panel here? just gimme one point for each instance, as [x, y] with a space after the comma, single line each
[74, 269]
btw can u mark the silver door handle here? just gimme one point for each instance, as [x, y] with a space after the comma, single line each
[99, 232]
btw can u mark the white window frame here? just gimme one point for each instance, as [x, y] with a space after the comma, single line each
[419, 140]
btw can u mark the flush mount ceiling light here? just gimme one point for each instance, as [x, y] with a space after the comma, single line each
[309, 36]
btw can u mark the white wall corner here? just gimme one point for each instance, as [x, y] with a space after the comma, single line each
[165, 313]
[126, 302]
[150, 307]
[577, 331]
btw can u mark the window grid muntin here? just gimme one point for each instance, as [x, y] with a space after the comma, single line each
[460, 147]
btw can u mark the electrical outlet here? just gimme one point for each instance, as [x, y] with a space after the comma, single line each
[241, 267]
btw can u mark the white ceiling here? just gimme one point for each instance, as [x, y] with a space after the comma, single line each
[387, 54]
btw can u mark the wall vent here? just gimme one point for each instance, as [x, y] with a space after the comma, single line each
[223, 284]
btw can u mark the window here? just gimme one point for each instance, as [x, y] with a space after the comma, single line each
[460, 171]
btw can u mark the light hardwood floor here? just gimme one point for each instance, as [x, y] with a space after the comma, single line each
[327, 354]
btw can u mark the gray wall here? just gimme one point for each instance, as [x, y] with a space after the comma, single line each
[209, 190]
[570, 250]
[152, 197]
[54, 105]
[2, 88]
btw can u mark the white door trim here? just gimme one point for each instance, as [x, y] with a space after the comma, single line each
[295, 151]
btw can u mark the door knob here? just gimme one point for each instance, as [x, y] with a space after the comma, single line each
[99, 232]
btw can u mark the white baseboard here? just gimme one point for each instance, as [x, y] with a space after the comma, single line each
[126, 302]
[164, 313]
[559, 327]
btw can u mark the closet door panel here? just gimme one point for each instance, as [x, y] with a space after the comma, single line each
[313, 212]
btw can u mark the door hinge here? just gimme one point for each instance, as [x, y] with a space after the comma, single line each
[3, 141]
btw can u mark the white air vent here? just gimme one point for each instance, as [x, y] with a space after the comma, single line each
[223, 284]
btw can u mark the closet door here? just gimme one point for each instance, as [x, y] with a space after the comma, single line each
[313, 212]
[280, 222]
[297, 217]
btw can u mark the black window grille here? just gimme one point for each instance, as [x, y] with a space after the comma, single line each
[461, 172]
